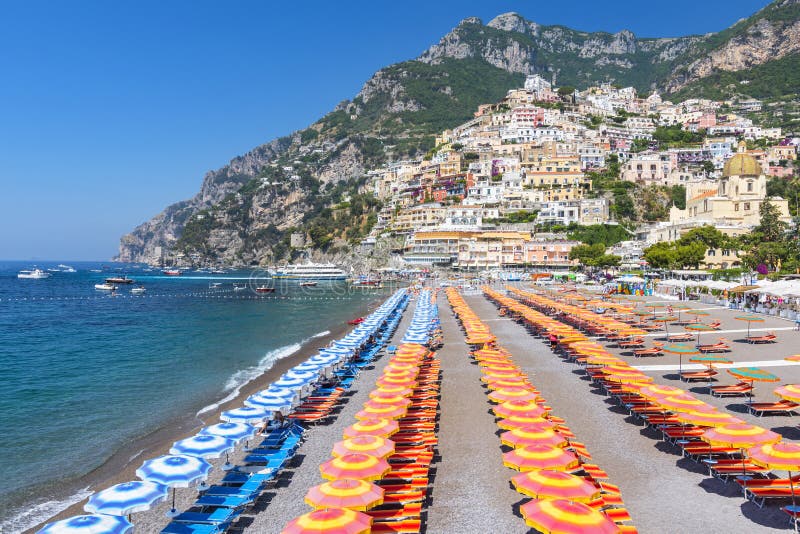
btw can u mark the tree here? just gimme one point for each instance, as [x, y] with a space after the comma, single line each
[709, 236]
[691, 255]
[708, 167]
[661, 255]
[586, 254]
[565, 91]
[771, 227]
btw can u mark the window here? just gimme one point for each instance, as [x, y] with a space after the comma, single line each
[746, 206]
[712, 252]
[736, 207]
[749, 188]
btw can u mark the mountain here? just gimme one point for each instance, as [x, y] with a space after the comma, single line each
[312, 180]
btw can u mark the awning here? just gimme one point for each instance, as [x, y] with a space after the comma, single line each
[741, 289]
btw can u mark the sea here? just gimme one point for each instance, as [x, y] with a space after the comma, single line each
[85, 371]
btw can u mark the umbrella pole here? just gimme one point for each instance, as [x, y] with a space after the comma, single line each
[744, 475]
[793, 508]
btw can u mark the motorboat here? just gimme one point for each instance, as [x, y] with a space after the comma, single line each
[172, 272]
[67, 268]
[307, 284]
[119, 280]
[105, 287]
[214, 285]
[239, 287]
[34, 274]
[265, 289]
[218, 271]
[357, 320]
[310, 271]
[138, 290]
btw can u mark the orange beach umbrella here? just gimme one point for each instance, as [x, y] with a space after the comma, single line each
[356, 466]
[560, 516]
[551, 484]
[345, 493]
[332, 520]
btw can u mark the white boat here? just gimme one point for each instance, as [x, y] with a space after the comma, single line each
[239, 287]
[34, 274]
[105, 287]
[310, 271]
[67, 268]
[138, 290]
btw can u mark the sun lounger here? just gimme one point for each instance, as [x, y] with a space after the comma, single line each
[771, 482]
[742, 389]
[190, 528]
[653, 351]
[760, 495]
[392, 513]
[769, 338]
[618, 515]
[715, 348]
[680, 337]
[218, 517]
[780, 407]
[694, 376]
[631, 343]
[226, 501]
[409, 526]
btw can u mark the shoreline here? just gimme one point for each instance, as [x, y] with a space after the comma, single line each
[121, 465]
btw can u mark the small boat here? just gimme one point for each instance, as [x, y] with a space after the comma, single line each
[67, 268]
[265, 289]
[239, 287]
[214, 285]
[35, 274]
[95, 271]
[366, 282]
[172, 272]
[105, 287]
[307, 284]
[357, 320]
[119, 280]
[54, 270]
[138, 290]
[218, 271]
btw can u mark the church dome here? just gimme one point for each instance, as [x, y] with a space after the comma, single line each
[741, 165]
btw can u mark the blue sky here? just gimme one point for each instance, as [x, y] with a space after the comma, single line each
[109, 111]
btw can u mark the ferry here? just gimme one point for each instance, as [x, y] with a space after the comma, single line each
[35, 274]
[172, 272]
[310, 271]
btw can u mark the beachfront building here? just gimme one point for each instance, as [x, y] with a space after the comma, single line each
[416, 218]
[549, 253]
[492, 250]
[584, 211]
[433, 248]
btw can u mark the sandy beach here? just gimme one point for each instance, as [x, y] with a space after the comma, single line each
[121, 467]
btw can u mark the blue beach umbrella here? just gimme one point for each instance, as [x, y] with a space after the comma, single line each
[127, 498]
[175, 471]
[278, 391]
[302, 375]
[245, 414]
[203, 446]
[233, 431]
[291, 383]
[273, 404]
[309, 367]
[89, 524]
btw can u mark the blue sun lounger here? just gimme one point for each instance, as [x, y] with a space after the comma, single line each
[217, 516]
[227, 501]
[190, 528]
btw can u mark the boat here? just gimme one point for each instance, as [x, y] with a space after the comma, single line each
[357, 320]
[105, 287]
[95, 271]
[119, 280]
[239, 287]
[67, 268]
[218, 271]
[310, 271]
[366, 282]
[307, 284]
[172, 272]
[34, 274]
[138, 290]
[265, 289]
[214, 285]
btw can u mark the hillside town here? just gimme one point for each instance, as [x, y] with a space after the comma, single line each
[499, 190]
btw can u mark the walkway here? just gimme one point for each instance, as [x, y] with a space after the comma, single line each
[664, 492]
[471, 492]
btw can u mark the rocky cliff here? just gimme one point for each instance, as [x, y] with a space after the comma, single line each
[245, 210]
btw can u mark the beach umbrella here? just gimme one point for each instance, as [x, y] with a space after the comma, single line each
[372, 427]
[533, 434]
[345, 493]
[750, 319]
[680, 349]
[205, 446]
[330, 520]
[407, 381]
[533, 457]
[355, 465]
[489, 375]
[512, 393]
[699, 328]
[683, 403]
[174, 471]
[516, 421]
[292, 382]
[269, 403]
[793, 358]
[551, 484]
[697, 313]
[655, 391]
[633, 376]
[709, 359]
[523, 408]
[381, 411]
[666, 319]
[374, 445]
[707, 419]
[89, 524]
[233, 431]
[388, 399]
[391, 390]
[127, 498]
[752, 375]
[740, 436]
[781, 456]
[560, 516]
[309, 366]
[790, 392]
[246, 414]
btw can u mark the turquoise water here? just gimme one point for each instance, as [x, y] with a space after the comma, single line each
[83, 372]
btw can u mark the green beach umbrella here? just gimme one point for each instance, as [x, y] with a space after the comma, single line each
[666, 319]
[750, 319]
[680, 349]
[679, 308]
[699, 327]
[709, 360]
[697, 313]
[752, 375]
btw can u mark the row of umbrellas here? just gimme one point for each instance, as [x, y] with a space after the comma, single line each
[760, 445]
[539, 441]
[187, 463]
[362, 457]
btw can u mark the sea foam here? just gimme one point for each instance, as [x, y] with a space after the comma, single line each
[240, 378]
[33, 514]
